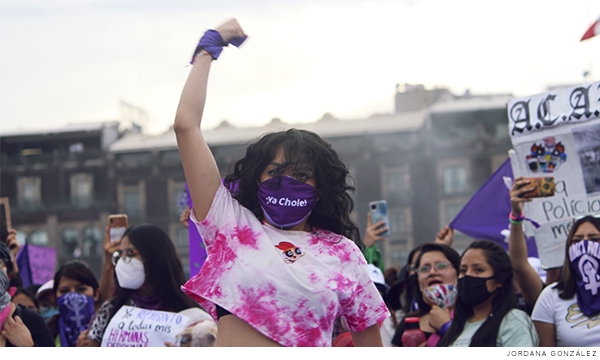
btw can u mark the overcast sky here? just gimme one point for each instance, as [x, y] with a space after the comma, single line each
[68, 61]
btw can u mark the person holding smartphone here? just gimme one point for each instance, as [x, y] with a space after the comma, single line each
[284, 258]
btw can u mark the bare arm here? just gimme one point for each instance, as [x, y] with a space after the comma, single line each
[546, 333]
[107, 277]
[528, 279]
[201, 171]
[369, 337]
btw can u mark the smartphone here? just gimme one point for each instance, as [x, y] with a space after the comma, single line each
[378, 212]
[544, 187]
[117, 224]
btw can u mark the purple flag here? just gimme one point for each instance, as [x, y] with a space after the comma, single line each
[485, 216]
[23, 264]
[36, 264]
[196, 245]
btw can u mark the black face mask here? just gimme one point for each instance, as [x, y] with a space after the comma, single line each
[473, 290]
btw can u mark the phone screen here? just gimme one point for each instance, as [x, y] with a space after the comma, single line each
[117, 225]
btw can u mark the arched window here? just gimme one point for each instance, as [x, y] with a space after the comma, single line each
[70, 243]
[39, 237]
[92, 241]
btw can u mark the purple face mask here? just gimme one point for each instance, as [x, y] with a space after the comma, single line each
[585, 263]
[286, 203]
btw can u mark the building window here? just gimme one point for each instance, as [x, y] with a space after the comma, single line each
[450, 210]
[397, 183]
[70, 243]
[21, 238]
[178, 199]
[132, 199]
[82, 190]
[399, 222]
[29, 194]
[92, 242]
[39, 237]
[455, 179]
[181, 239]
[132, 204]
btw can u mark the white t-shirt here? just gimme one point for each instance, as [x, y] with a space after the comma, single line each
[516, 329]
[288, 285]
[572, 327]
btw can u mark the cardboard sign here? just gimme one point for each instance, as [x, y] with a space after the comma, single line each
[558, 134]
[5, 211]
[136, 327]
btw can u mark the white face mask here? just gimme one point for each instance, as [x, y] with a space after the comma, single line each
[130, 276]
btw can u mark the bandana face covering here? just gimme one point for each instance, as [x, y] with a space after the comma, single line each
[4, 298]
[584, 256]
[76, 311]
[286, 203]
[442, 295]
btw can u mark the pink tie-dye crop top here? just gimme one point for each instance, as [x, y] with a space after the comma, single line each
[289, 285]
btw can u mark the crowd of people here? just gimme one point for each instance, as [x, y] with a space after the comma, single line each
[287, 266]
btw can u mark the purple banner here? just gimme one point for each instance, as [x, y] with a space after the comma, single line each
[485, 216]
[42, 261]
[36, 264]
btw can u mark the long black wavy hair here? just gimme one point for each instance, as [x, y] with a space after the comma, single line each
[301, 149]
[567, 283]
[162, 267]
[504, 299]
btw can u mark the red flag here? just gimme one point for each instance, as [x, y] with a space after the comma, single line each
[592, 31]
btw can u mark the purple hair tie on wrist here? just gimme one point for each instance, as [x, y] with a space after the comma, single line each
[213, 43]
[444, 328]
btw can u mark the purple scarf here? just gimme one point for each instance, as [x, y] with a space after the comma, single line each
[76, 311]
[147, 302]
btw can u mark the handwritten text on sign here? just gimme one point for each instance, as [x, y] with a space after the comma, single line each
[135, 327]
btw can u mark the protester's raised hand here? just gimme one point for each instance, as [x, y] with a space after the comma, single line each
[374, 231]
[445, 236]
[229, 30]
[184, 217]
[520, 187]
[109, 247]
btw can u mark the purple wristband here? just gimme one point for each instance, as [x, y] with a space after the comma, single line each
[213, 43]
[442, 331]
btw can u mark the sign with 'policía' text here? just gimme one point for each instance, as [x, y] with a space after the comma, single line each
[557, 134]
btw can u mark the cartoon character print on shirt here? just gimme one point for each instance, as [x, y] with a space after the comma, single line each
[291, 253]
[576, 317]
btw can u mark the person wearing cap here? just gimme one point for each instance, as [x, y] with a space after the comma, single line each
[19, 326]
[47, 300]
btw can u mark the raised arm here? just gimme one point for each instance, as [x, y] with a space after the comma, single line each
[528, 279]
[201, 171]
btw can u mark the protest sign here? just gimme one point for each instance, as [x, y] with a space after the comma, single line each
[36, 264]
[137, 327]
[558, 134]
